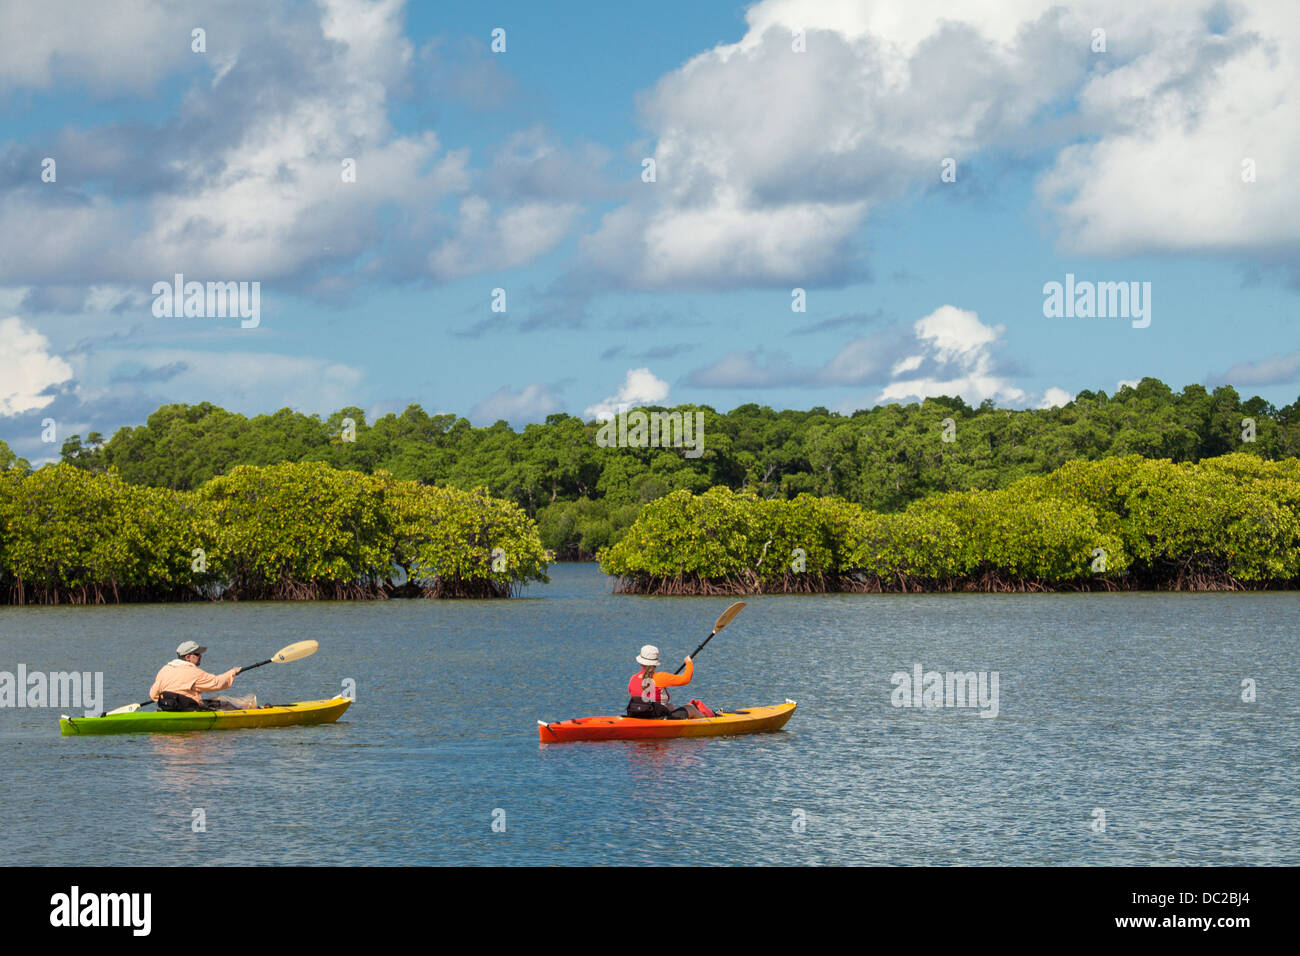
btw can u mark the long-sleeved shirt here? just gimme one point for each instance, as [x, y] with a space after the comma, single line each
[663, 680]
[182, 677]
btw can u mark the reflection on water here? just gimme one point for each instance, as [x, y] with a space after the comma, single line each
[1129, 702]
[650, 763]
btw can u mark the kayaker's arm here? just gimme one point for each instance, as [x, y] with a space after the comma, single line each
[210, 682]
[664, 679]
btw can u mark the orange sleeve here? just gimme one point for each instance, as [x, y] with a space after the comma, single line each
[665, 679]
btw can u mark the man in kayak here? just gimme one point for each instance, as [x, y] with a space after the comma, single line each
[648, 689]
[181, 683]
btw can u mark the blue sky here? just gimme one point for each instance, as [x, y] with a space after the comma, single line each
[797, 144]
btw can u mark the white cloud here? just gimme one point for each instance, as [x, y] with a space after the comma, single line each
[769, 161]
[640, 387]
[722, 242]
[28, 369]
[86, 39]
[909, 364]
[957, 350]
[1176, 123]
[262, 196]
[1055, 397]
[488, 241]
[957, 335]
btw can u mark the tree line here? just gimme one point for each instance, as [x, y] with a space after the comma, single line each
[294, 530]
[584, 496]
[1225, 523]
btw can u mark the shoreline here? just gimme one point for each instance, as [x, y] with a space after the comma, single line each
[903, 584]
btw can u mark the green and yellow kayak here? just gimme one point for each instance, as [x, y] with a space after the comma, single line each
[305, 712]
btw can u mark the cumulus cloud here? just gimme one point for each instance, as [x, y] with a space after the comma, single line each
[532, 165]
[1205, 101]
[1055, 397]
[245, 182]
[723, 243]
[640, 387]
[955, 355]
[28, 369]
[769, 161]
[84, 39]
[104, 385]
[485, 239]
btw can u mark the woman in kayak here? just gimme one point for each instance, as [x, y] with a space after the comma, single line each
[648, 689]
[180, 683]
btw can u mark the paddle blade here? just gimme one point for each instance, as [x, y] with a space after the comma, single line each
[295, 652]
[128, 709]
[728, 616]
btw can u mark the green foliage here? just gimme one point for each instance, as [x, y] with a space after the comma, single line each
[450, 541]
[296, 524]
[576, 530]
[682, 535]
[586, 496]
[907, 546]
[883, 458]
[807, 535]
[93, 537]
[291, 530]
[1018, 533]
[1232, 521]
[10, 460]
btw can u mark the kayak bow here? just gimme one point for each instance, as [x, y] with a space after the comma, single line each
[304, 712]
[751, 720]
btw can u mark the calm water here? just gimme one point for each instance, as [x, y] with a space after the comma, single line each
[1129, 703]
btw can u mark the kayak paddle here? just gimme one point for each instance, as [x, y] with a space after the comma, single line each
[727, 617]
[294, 652]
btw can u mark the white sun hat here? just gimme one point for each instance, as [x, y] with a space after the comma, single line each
[649, 656]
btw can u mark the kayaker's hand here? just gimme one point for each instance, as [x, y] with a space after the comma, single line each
[688, 659]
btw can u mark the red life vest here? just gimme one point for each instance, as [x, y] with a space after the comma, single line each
[645, 688]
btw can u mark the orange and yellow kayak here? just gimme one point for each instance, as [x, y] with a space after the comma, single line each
[752, 720]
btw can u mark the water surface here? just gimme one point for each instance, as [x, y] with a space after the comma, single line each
[1128, 703]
